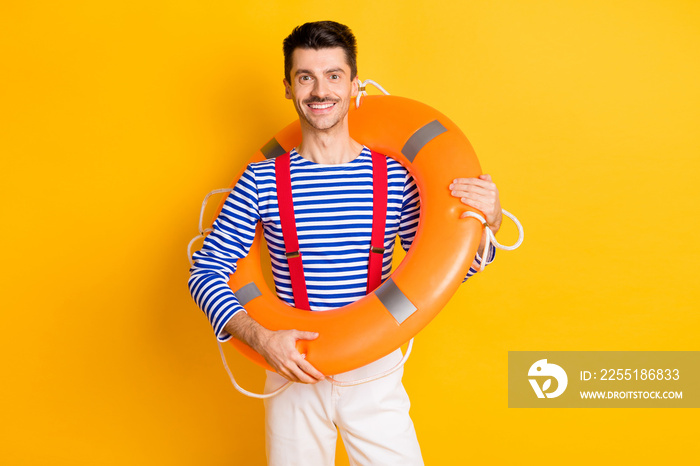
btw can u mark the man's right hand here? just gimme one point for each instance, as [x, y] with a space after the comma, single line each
[280, 351]
[277, 347]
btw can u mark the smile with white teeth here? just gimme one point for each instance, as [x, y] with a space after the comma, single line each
[321, 106]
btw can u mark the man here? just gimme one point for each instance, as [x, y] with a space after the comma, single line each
[331, 179]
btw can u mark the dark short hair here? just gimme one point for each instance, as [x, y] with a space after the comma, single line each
[320, 35]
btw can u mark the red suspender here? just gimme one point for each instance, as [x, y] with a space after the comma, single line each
[379, 204]
[289, 229]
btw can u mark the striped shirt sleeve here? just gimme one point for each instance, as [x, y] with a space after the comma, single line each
[234, 230]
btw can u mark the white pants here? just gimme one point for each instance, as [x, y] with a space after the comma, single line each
[373, 420]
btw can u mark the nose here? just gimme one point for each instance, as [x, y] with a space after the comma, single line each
[320, 89]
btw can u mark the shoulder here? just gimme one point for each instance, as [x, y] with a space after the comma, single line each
[256, 171]
[397, 174]
[395, 168]
[261, 167]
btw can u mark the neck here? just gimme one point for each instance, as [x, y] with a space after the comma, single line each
[329, 147]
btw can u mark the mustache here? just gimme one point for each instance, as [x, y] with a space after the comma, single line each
[317, 100]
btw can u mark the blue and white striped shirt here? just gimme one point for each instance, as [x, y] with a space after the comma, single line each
[333, 211]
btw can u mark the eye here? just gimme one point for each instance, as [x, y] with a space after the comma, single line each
[335, 77]
[304, 78]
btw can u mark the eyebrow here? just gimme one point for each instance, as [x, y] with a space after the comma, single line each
[332, 70]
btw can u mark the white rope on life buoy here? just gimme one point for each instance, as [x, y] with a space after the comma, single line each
[491, 238]
[203, 231]
[362, 91]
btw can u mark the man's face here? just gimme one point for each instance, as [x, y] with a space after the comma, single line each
[321, 87]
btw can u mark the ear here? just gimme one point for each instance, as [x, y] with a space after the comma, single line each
[287, 89]
[355, 86]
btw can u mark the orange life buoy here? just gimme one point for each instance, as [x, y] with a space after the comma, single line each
[434, 150]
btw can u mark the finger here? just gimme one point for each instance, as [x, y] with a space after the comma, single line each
[284, 372]
[302, 335]
[299, 373]
[474, 181]
[461, 190]
[480, 206]
[484, 205]
[486, 200]
[485, 187]
[289, 371]
[484, 177]
[310, 370]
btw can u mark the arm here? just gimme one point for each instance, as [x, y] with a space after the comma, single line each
[234, 230]
[231, 239]
[277, 347]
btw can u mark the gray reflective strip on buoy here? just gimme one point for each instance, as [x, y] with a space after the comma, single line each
[247, 293]
[421, 137]
[272, 149]
[395, 301]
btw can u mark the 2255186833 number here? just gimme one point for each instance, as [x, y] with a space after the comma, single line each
[639, 374]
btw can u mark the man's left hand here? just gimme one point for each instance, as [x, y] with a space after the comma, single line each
[480, 193]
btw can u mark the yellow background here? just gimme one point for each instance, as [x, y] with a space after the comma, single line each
[117, 118]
